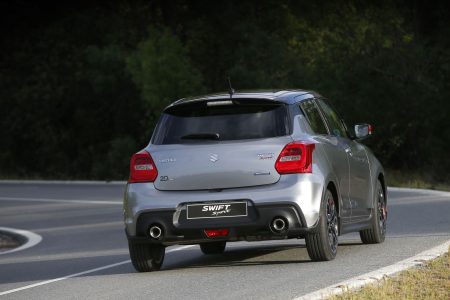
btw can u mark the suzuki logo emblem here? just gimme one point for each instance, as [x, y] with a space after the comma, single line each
[213, 157]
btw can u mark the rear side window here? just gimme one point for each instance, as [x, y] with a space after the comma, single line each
[238, 120]
[314, 118]
[333, 119]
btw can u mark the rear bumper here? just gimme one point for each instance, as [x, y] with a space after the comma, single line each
[295, 197]
[177, 229]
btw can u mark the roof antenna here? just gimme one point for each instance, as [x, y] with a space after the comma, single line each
[231, 90]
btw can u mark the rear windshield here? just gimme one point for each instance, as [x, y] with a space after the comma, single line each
[237, 120]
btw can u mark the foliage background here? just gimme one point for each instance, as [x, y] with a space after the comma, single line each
[82, 84]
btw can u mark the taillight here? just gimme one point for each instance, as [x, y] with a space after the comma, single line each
[296, 157]
[142, 168]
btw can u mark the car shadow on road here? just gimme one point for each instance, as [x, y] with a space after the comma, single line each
[247, 256]
[346, 244]
[251, 255]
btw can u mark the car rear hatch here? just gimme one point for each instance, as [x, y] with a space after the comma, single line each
[226, 144]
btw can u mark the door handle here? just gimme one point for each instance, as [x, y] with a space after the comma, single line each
[349, 151]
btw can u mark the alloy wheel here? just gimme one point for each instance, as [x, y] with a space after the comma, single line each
[332, 224]
[382, 211]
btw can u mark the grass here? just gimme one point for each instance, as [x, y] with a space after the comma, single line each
[430, 281]
[414, 180]
[7, 242]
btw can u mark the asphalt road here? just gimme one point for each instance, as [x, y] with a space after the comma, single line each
[81, 227]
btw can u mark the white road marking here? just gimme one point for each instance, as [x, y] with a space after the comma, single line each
[62, 256]
[32, 239]
[81, 273]
[63, 278]
[419, 191]
[80, 226]
[62, 200]
[421, 199]
[371, 277]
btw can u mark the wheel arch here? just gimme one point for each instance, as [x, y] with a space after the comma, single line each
[332, 187]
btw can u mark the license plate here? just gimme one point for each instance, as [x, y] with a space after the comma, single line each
[216, 210]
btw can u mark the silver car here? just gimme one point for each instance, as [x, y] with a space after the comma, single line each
[252, 166]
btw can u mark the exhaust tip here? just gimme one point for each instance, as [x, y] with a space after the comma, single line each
[155, 232]
[279, 225]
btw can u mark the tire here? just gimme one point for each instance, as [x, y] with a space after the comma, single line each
[146, 257]
[322, 244]
[377, 232]
[213, 248]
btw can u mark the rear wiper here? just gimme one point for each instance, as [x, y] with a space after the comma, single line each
[201, 136]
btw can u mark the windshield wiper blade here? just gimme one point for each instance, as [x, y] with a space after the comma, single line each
[201, 136]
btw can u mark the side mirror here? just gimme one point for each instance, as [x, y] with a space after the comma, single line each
[362, 131]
